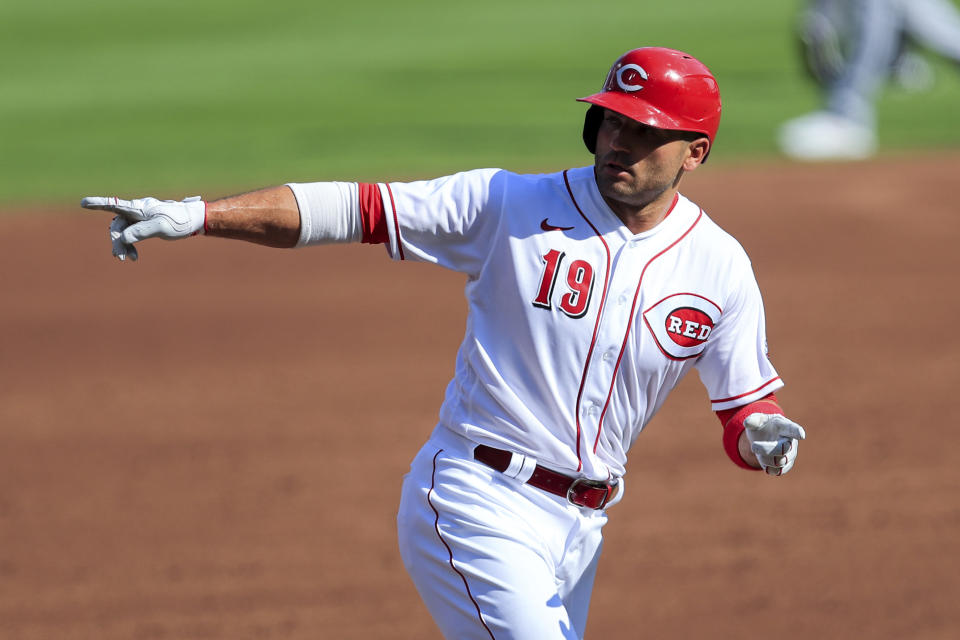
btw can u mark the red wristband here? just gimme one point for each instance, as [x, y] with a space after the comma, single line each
[732, 421]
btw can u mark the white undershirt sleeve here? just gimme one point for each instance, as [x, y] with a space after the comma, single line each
[329, 212]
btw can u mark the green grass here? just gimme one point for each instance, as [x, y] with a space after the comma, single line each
[174, 97]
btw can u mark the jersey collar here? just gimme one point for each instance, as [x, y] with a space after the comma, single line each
[583, 185]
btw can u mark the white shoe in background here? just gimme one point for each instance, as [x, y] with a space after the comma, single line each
[822, 135]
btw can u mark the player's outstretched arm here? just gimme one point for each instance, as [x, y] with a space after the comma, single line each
[269, 217]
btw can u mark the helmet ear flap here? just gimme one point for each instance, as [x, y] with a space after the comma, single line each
[591, 125]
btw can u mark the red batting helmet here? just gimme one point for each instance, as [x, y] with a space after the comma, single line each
[660, 87]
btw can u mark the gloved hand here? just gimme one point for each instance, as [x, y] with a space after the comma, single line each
[774, 440]
[144, 218]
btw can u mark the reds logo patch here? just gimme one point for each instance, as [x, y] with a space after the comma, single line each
[681, 324]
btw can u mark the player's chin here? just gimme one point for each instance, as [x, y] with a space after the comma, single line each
[615, 184]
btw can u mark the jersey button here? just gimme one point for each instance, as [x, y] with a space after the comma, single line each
[608, 355]
[622, 299]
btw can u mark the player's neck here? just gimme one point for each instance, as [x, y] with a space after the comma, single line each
[643, 217]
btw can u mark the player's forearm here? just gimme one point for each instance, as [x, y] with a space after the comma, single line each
[269, 217]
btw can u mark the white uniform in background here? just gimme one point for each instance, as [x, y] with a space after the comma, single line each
[852, 48]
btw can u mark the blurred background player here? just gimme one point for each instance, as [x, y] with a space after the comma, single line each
[851, 48]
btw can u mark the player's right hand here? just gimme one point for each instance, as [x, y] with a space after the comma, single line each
[144, 218]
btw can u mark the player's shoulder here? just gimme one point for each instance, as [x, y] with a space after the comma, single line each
[553, 184]
[531, 180]
[471, 185]
[491, 174]
[498, 176]
[466, 177]
[515, 186]
[491, 188]
[711, 237]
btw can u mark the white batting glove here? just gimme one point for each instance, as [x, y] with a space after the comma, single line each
[144, 218]
[774, 440]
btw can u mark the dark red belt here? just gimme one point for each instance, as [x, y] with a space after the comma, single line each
[579, 491]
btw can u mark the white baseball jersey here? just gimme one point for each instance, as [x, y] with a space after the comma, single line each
[577, 328]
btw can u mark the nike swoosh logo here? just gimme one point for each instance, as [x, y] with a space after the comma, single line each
[546, 226]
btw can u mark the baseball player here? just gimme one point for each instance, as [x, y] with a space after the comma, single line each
[591, 292]
[851, 47]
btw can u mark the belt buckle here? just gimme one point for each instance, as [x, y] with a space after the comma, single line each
[593, 484]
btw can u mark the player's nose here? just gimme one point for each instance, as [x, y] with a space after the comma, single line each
[619, 142]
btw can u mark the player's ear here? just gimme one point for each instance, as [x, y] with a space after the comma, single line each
[697, 151]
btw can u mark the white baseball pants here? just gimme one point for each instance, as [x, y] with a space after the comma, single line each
[492, 557]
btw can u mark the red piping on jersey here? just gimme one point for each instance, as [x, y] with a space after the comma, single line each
[436, 526]
[396, 221]
[676, 199]
[596, 326]
[743, 395]
[623, 347]
[692, 295]
[372, 221]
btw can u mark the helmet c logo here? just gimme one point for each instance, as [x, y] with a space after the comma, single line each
[628, 83]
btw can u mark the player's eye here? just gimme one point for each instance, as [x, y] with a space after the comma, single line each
[612, 118]
[653, 133]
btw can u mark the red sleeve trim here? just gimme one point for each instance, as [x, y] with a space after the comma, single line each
[372, 220]
[742, 395]
[732, 421]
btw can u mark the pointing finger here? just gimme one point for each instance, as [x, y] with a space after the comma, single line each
[95, 202]
[103, 203]
[114, 204]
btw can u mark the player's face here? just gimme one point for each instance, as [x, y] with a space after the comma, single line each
[636, 163]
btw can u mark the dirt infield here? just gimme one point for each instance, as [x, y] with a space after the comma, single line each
[209, 443]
